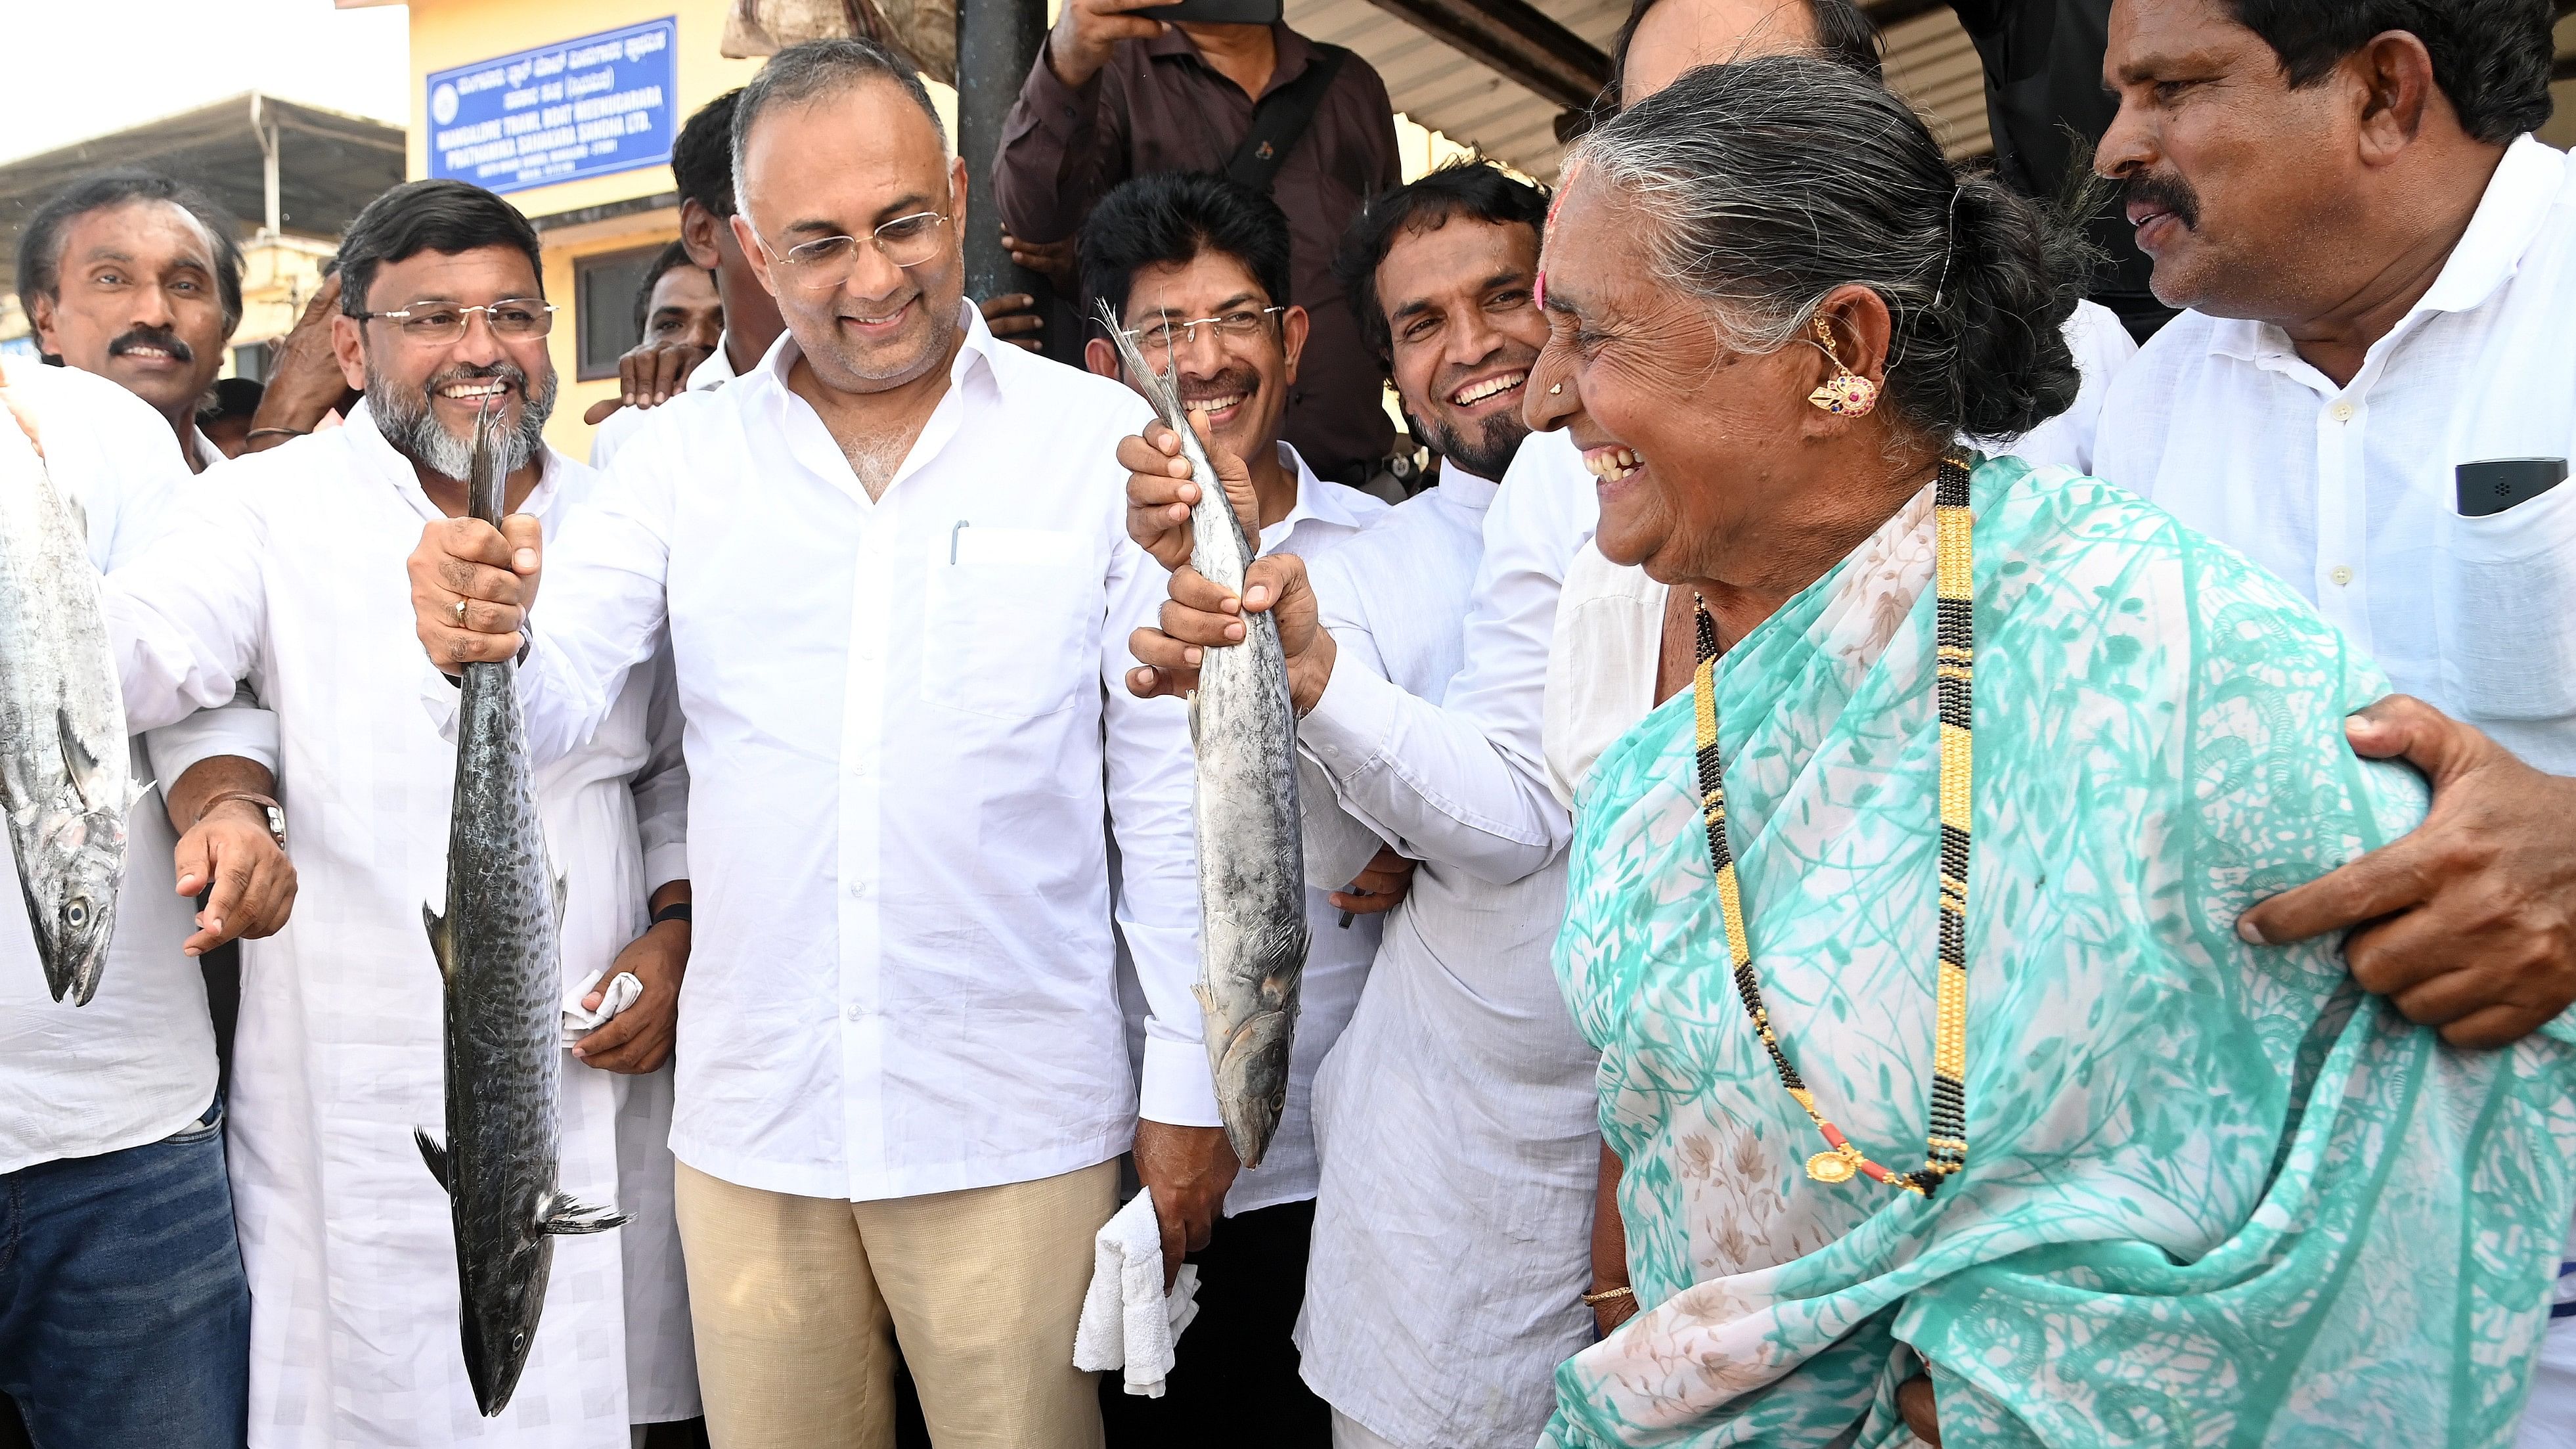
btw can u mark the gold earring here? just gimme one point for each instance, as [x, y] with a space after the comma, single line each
[1560, 387]
[1846, 394]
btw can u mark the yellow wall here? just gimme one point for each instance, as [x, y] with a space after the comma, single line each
[448, 33]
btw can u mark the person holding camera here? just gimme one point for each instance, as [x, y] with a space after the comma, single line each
[1222, 87]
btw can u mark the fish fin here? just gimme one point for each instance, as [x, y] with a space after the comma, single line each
[140, 791]
[87, 771]
[1194, 719]
[441, 946]
[435, 1156]
[571, 1218]
[563, 892]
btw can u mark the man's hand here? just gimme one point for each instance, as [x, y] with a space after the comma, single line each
[492, 571]
[1161, 492]
[639, 1038]
[1189, 1169]
[1200, 616]
[1378, 887]
[1053, 260]
[226, 847]
[1089, 30]
[2469, 923]
[1013, 318]
[304, 377]
[650, 374]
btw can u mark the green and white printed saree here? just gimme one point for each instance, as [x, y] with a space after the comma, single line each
[2213, 1195]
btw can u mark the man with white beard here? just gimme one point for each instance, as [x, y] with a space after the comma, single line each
[287, 571]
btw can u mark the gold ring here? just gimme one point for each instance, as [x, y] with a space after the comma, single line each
[460, 613]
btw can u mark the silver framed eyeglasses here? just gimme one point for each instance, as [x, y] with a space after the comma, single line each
[906, 241]
[436, 324]
[1169, 335]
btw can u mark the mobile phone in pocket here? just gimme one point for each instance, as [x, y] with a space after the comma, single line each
[2491, 487]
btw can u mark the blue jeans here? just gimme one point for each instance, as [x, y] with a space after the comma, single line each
[124, 1317]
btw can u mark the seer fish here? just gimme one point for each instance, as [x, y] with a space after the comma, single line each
[498, 950]
[64, 776]
[1252, 871]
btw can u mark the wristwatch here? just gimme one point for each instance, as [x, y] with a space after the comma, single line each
[270, 811]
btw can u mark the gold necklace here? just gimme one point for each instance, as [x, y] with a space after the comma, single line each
[1954, 685]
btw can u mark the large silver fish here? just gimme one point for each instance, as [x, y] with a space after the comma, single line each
[498, 949]
[64, 777]
[1252, 870]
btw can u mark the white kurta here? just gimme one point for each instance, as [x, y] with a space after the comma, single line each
[138, 1062]
[290, 570]
[1455, 1114]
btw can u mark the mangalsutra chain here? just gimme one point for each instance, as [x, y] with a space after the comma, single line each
[1954, 690]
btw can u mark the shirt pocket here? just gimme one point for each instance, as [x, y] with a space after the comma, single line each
[2509, 651]
[1010, 621]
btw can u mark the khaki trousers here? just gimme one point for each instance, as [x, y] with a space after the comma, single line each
[798, 1303]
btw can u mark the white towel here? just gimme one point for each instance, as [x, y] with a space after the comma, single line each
[1127, 1321]
[579, 1021]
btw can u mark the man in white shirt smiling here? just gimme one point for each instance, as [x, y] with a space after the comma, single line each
[893, 564]
[1197, 269]
[2380, 263]
[1462, 1004]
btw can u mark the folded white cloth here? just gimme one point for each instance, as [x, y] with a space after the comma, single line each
[1127, 1320]
[579, 1021]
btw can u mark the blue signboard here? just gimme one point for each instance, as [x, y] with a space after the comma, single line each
[583, 107]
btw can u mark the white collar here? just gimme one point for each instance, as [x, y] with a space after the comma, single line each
[2516, 205]
[716, 371]
[203, 449]
[1316, 499]
[1468, 490]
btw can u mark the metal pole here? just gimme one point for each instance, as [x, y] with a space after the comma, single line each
[266, 130]
[997, 42]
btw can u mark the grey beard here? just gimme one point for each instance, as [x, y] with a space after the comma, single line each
[403, 416]
[1493, 449]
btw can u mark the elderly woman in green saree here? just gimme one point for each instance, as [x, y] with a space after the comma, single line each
[1929, 1049]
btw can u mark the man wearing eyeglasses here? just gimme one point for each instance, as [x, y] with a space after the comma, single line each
[285, 569]
[893, 562]
[1197, 267]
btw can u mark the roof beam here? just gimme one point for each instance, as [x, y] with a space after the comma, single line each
[1517, 42]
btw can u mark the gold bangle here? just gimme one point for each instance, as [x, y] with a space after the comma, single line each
[1595, 1300]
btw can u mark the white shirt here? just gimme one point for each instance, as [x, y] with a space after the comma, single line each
[1456, 1113]
[138, 1062]
[907, 718]
[1463, 781]
[287, 567]
[620, 427]
[2348, 494]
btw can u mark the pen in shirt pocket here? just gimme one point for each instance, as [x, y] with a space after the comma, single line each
[954, 529]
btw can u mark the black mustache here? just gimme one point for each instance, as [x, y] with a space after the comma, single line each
[160, 337]
[1224, 384]
[2166, 193]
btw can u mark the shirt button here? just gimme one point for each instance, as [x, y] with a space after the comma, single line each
[2342, 575]
[2342, 413]
[857, 1011]
[859, 889]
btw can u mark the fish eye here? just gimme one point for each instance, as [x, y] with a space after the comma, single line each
[76, 913]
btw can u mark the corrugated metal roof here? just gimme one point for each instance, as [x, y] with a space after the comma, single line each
[1930, 62]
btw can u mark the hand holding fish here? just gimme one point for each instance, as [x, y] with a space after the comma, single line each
[1160, 492]
[1200, 615]
[1189, 1170]
[493, 572]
